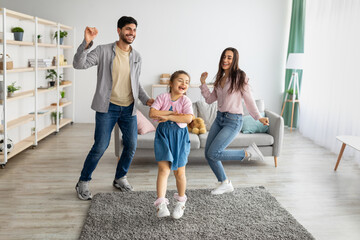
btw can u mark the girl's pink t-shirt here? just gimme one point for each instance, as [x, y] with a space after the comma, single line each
[182, 105]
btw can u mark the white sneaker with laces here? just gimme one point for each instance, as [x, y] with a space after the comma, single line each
[254, 153]
[123, 184]
[179, 210]
[162, 210]
[224, 187]
[83, 190]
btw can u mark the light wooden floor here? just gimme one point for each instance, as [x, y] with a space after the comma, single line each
[38, 200]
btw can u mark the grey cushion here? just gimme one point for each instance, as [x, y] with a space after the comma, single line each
[195, 109]
[194, 141]
[260, 105]
[244, 140]
[207, 112]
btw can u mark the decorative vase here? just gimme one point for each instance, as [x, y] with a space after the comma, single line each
[51, 83]
[10, 94]
[18, 36]
[61, 40]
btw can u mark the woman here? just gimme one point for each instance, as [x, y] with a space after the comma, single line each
[230, 88]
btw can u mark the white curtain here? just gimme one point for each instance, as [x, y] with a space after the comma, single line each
[330, 92]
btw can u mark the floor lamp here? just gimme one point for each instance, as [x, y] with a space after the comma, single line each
[295, 61]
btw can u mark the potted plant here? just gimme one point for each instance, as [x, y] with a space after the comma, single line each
[52, 75]
[62, 35]
[18, 33]
[291, 92]
[62, 99]
[39, 38]
[33, 130]
[54, 117]
[11, 89]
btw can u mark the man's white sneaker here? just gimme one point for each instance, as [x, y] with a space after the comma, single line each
[83, 190]
[179, 210]
[225, 187]
[162, 210]
[254, 153]
[122, 184]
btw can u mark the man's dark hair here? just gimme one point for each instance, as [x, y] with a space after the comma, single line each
[126, 20]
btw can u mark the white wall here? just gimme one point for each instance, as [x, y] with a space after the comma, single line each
[187, 34]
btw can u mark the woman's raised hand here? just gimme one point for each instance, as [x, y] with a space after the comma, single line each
[90, 33]
[203, 77]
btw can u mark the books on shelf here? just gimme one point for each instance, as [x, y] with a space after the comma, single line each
[42, 62]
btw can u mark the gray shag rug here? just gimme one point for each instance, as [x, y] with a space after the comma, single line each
[247, 213]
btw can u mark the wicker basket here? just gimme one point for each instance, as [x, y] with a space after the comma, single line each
[9, 62]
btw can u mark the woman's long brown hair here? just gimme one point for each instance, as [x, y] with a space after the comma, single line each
[236, 75]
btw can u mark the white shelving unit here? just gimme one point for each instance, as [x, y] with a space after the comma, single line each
[30, 108]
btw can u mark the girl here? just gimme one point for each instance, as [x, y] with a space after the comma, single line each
[174, 111]
[230, 87]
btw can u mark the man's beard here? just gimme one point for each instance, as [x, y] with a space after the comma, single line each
[122, 37]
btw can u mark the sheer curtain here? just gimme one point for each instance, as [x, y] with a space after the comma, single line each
[330, 93]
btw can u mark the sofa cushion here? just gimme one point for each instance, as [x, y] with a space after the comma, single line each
[251, 125]
[207, 112]
[194, 141]
[243, 140]
[147, 141]
[195, 109]
[143, 124]
[259, 103]
[145, 111]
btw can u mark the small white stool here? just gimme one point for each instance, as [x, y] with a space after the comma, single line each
[352, 141]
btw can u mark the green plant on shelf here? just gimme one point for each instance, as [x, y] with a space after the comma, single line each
[62, 34]
[62, 93]
[12, 88]
[17, 29]
[291, 93]
[54, 117]
[52, 76]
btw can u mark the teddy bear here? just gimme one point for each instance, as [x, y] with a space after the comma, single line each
[197, 126]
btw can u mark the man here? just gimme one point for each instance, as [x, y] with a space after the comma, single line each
[117, 92]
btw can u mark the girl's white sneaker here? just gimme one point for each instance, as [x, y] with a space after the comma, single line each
[179, 210]
[162, 210]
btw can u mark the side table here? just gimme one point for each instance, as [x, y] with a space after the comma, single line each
[352, 141]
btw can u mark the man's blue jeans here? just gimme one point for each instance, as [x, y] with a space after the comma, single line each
[222, 132]
[104, 125]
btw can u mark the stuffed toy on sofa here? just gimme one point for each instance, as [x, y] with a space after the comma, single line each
[197, 126]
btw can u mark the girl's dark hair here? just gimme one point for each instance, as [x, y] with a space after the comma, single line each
[236, 75]
[175, 75]
[126, 20]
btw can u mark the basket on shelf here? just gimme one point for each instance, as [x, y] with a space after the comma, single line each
[9, 62]
[164, 78]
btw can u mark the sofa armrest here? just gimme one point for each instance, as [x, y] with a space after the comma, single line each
[117, 135]
[276, 129]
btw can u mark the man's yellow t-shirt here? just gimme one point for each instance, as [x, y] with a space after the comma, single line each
[121, 93]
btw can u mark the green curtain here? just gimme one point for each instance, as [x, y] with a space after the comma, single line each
[296, 45]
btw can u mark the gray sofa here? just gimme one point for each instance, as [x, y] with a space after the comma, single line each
[269, 143]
